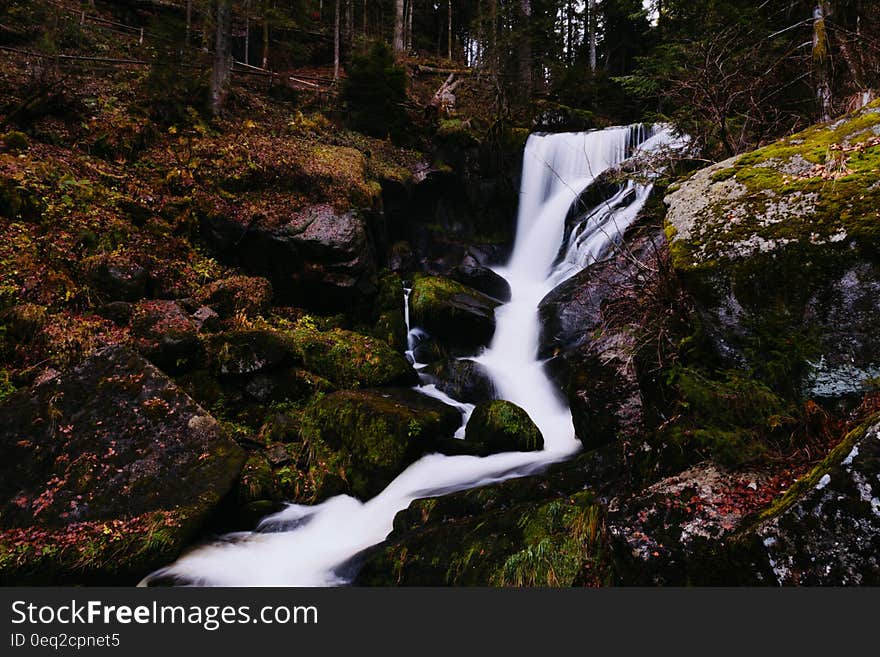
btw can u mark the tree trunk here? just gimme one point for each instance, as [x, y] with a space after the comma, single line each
[189, 9]
[408, 40]
[222, 58]
[336, 42]
[591, 29]
[398, 29]
[265, 62]
[821, 60]
[449, 31]
[525, 48]
[247, 32]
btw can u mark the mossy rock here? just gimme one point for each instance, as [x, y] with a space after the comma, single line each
[362, 439]
[244, 295]
[15, 142]
[166, 334]
[494, 537]
[349, 359]
[452, 312]
[108, 471]
[24, 321]
[779, 248]
[248, 352]
[502, 426]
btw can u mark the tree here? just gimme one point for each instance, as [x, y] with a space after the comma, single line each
[821, 56]
[222, 63]
[336, 41]
[398, 29]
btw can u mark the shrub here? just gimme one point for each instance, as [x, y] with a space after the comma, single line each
[375, 93]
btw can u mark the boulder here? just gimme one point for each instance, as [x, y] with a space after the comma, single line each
[473, 274]
[248, 352]
[108, 471]
[349, 359]
[779, 248]
[316, 258]
[502, 426]
[464, 380]
[116, 277]
[360, 440]
[166, 334]
[248, 295]
[453, 313]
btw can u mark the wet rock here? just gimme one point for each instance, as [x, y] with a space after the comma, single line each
[501, 426]
[453, 313]
[349, 359]
[362, 439]
[315, 258]
[246, 295]
[473, 274]
[108, 471]
[464, 380]
[166, 334]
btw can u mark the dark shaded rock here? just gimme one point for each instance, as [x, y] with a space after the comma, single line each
[401, 259]
[116, 278]
[278, 455]
[473, 274]
[118, 312]
[588, 329]
[362, 439]
[247, 295]
[286, 385]
[501, 426]
[453, 313]
[166, 334]
[464, 380]
[206, 319]
[239, 353]
[317, 259]
[108, 471]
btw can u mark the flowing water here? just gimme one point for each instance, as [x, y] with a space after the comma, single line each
[314, 545]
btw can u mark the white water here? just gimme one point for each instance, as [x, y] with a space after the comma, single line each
[307, 545]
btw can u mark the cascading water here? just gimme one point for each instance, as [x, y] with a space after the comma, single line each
[309, 546]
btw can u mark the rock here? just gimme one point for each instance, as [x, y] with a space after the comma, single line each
[166, 335]
[825, 531]
[315, 258]
[778, 247]
[106, 472]
[247, 295]
[116, 277]
[351, 360]
[588, 328]
[453, 313]
[464, 380]
[206, 319]
[287, 385]
[473, 274]
[118, 312]
[502, 426]
[240, 353]
[400, 258]
[362, 439]
[278, 455]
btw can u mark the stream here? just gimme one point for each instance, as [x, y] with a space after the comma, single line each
[318, 545]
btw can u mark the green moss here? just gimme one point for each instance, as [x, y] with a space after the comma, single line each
[15, 142]
[502, 426]
[348, 359]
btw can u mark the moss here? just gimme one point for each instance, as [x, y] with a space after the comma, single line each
[502, 426]
[257, 480]
[348, 359]
[6, 387]
[808, 481]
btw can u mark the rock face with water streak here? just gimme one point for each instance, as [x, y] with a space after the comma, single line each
[106, 472]
[465, 380]
[782, 242]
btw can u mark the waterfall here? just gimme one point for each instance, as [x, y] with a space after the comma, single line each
[311, 545]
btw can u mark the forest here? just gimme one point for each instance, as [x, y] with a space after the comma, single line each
[541, 293]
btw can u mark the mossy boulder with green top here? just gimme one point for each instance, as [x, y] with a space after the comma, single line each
[779, 247]
[452, 312]
[502, 426]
